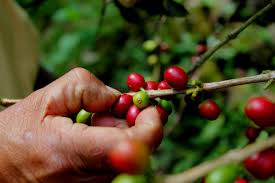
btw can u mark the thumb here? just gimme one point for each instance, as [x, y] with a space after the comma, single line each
[148, 128]
[78, 89]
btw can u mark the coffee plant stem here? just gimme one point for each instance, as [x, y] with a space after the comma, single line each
[239, 81]
[229, 37]
[233, 156]
[205, 87]
[213, 85]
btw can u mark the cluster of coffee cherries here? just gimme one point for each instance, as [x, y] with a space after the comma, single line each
[129, 107]
[131, 156]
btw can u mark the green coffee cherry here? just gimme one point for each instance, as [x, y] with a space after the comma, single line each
[166, 105]
[150, 45]
[224, 174]
[262, 136]
[124, 178]
[83, 116]
[152, 59]
[141, 99]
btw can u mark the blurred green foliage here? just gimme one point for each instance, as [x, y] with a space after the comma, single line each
[71, 37]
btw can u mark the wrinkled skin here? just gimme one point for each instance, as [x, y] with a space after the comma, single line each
[40, 143]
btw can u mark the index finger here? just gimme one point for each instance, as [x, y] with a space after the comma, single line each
[75, 90]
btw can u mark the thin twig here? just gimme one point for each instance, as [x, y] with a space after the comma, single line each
[213, 85]
[205, 87]
[233, 156]
[239, 81]
[229, 37]
[202, 59]
[220, 85]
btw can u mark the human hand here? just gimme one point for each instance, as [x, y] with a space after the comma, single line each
[40, 143]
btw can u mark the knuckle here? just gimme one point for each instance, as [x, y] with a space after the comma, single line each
[81, 73]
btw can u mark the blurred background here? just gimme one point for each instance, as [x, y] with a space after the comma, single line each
[107, 39]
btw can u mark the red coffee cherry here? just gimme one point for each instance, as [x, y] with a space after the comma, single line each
[163, 114]
[240, 180]
[122, 105]
[261, 111]
[176, 77]
[201, 49]
[151, 85]
[129, 156]
[252, 133]
[163, 85]
[135, 81]
[261, 165]
[132, 115]
[209, 109]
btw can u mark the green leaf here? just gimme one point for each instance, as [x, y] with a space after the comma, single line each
[174, 9]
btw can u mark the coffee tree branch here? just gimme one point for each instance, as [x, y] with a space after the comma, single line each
[210, 52]
[230, 37]
[214, 85]
[205, 87]
[220, 85]
[233, 156]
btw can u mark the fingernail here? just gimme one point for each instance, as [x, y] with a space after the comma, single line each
[116, 92]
